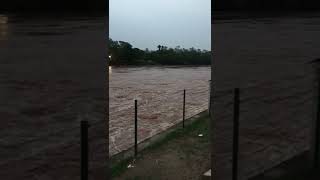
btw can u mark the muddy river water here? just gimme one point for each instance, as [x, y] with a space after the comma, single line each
[42, 102]
[159, 91]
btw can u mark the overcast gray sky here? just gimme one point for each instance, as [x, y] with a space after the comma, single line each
[148, 23]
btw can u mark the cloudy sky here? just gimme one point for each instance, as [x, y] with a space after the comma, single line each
[148, 23]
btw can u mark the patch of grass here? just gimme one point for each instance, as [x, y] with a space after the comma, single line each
[120, 167]
[198, 126]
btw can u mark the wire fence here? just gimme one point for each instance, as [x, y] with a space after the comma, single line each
[272, 126]
[257, 126]
[156, 113]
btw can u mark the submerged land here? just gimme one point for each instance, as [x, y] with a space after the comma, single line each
[247, 50]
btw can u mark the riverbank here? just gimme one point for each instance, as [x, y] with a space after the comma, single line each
[181, 154]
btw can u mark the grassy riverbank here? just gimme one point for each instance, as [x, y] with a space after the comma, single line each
[181, 154]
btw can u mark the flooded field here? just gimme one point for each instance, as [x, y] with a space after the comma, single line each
[267, 58]
[51, 78]
[159, 91]
[43, 98]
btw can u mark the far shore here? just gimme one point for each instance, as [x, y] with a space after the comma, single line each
[243, 14]
[164, 66]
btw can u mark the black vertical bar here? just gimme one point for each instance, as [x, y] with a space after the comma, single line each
[209, 103]
[317, 126]
[184, 107]
[84, 150]
[135, 127]
[235, 135]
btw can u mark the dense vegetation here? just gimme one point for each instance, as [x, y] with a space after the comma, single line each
[46, 6]
[122, 53]
[102, 5]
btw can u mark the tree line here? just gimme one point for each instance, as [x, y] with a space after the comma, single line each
[59, 6]
[267, 5]
[123, 53]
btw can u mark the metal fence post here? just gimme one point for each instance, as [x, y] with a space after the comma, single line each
[84, 150]
[135, 128]
[209, 97]
[315, 124]
[317, 128]
[235, 135]
[184, 107]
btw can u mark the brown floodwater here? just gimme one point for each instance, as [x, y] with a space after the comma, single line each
[159, 92]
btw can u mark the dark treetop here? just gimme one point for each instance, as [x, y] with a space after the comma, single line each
[122, 53]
